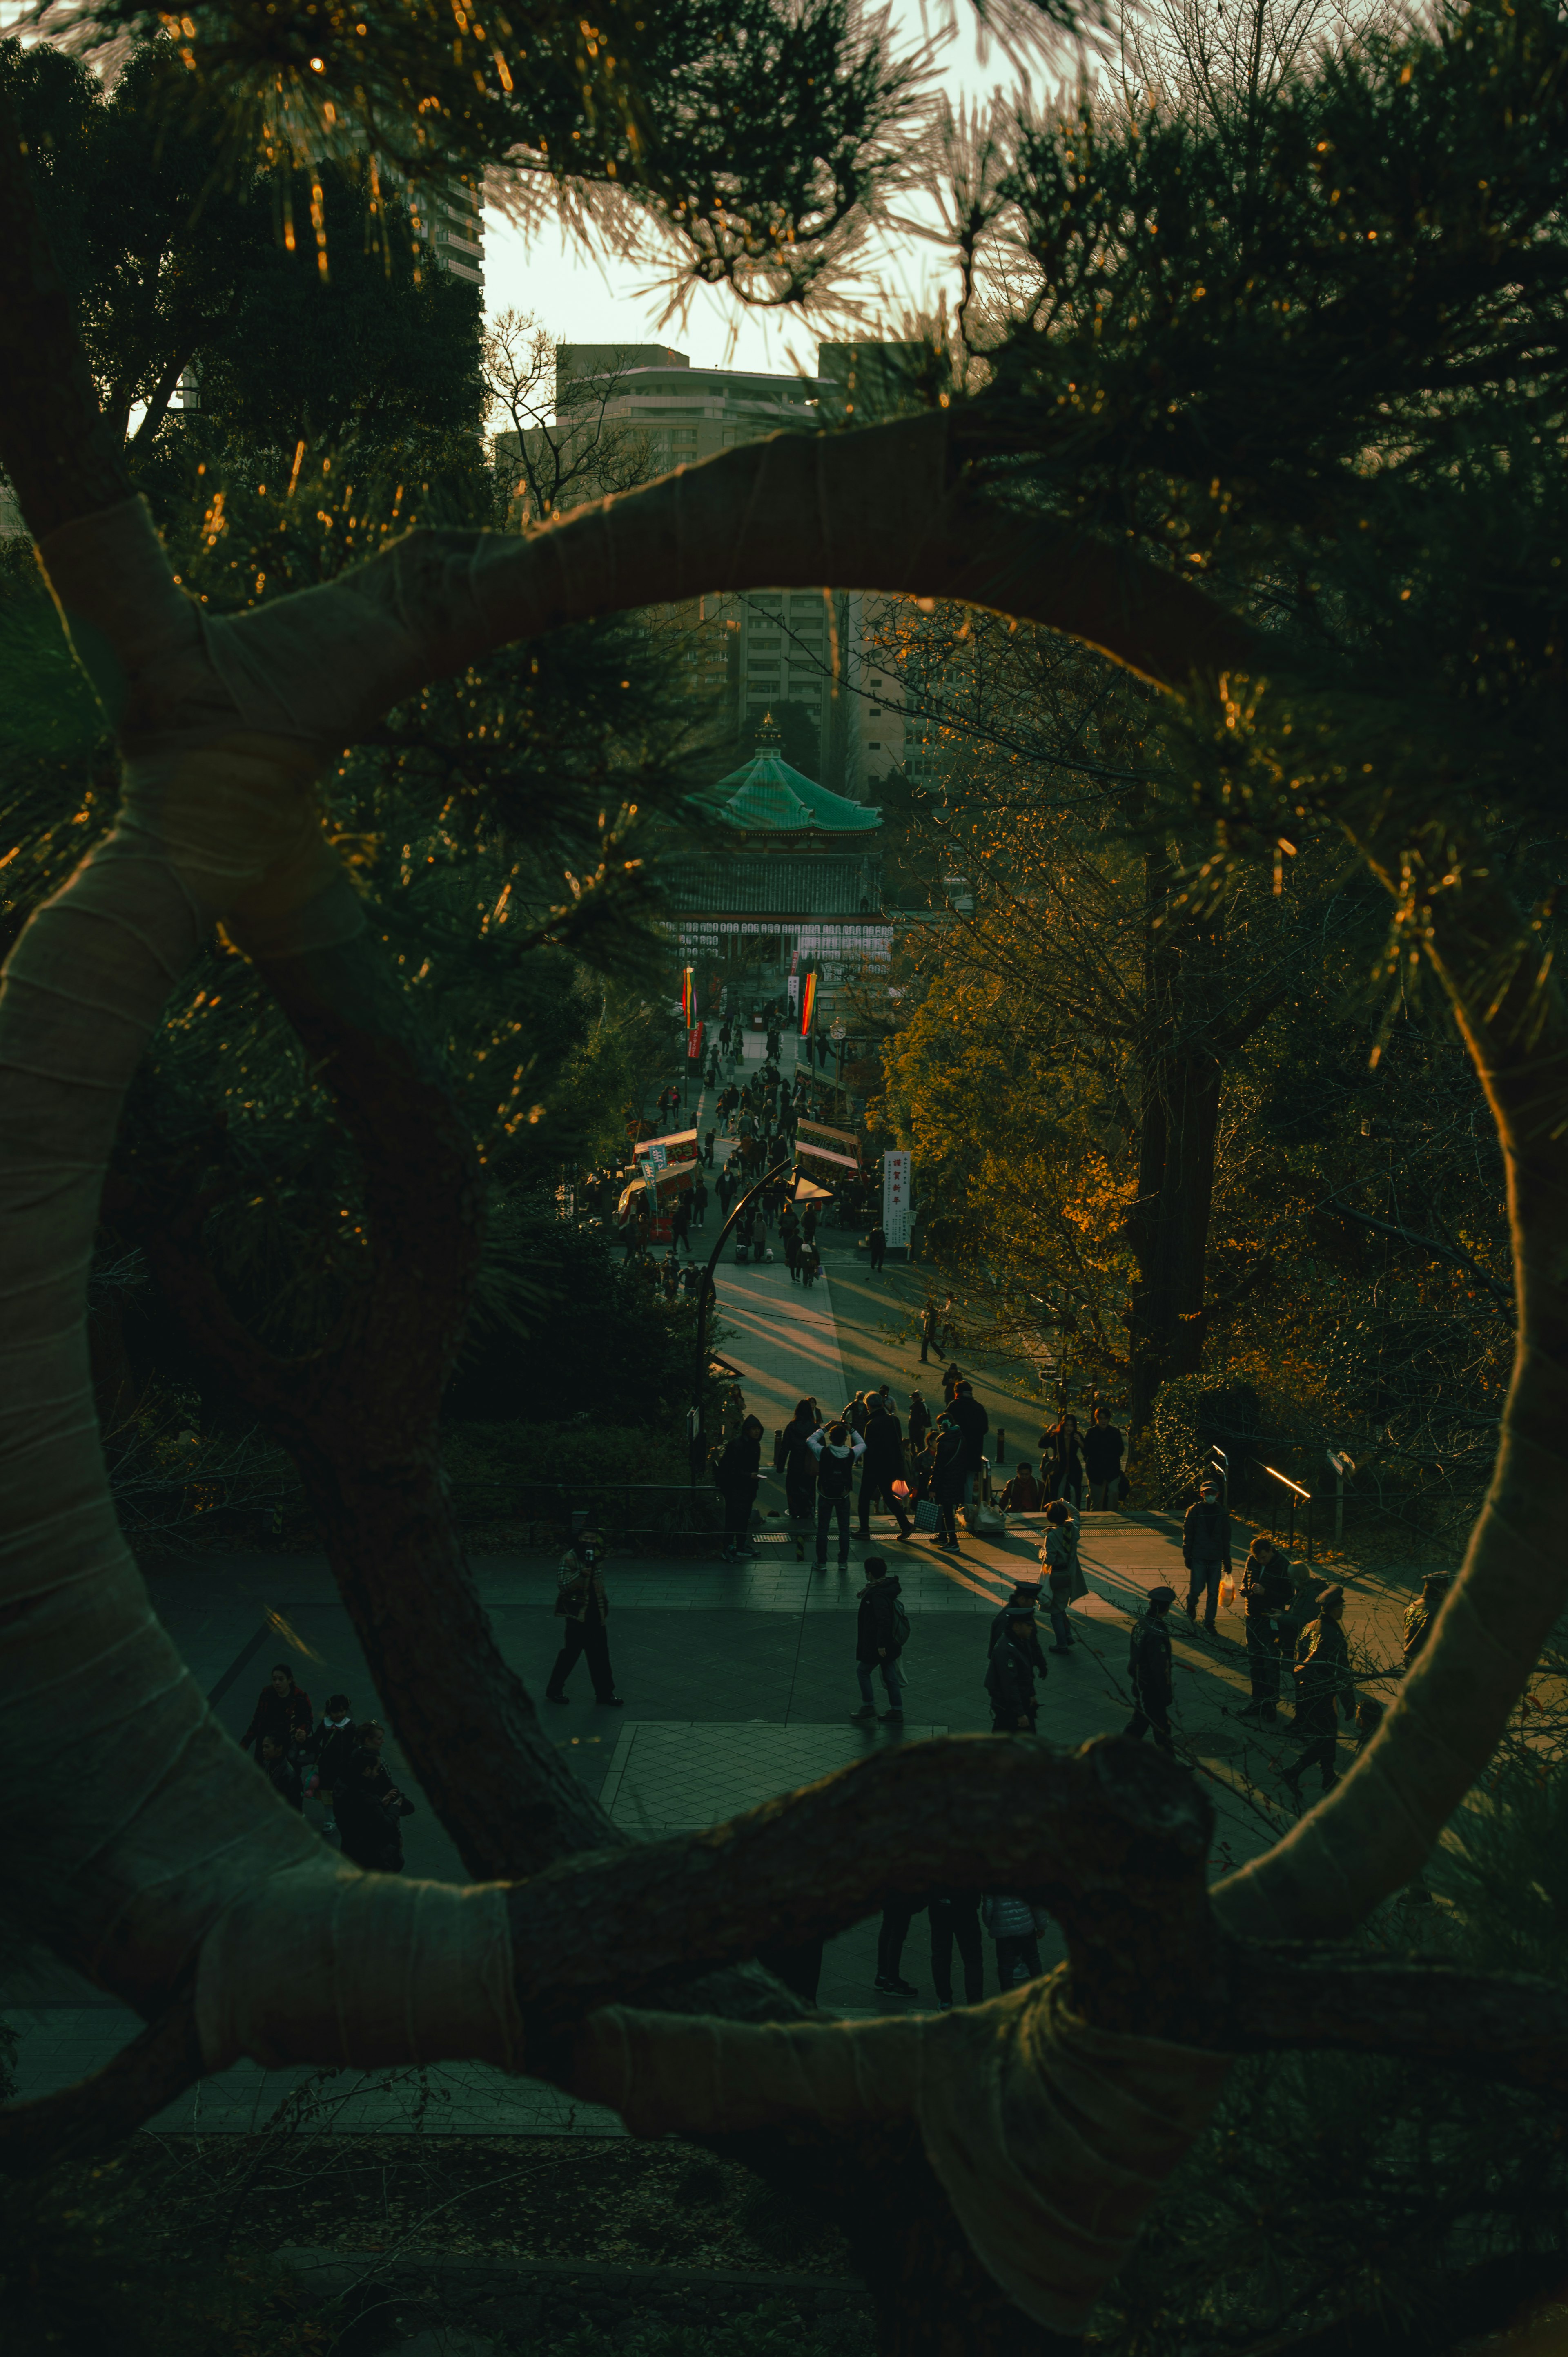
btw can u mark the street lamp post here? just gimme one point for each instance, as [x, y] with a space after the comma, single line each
[705, 1292]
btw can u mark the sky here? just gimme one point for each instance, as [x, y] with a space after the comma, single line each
[589, 299]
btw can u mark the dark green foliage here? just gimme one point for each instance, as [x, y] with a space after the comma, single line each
[172, 265]
[85, 2268]
[758, 133]
[595, 1343]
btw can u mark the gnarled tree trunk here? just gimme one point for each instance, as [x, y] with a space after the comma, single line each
[168, 1870]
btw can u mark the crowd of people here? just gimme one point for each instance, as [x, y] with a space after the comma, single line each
[335, 1762]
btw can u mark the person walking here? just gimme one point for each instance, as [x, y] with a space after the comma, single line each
[1420, 1615]
[1324, 1684]
[790, 1238]
[835, 1450]
[724, 1187]
[1266, 1595]
[680, 1227]
[930, 1333]
[1015, 1927]
[808, 1228]
[951, 1377]
[1149, 1669]
[370, 1809]
[700, 1199]
[954, 1918]
[581, 1602]
[1010, 1671]
[283, 1708]
[881, 1632]
[1206, 1551]
[919, 1422]
[882, 1466]
[1022, 1495]
[736, 1477]
[948, 1478]
[876, 1248]
[329, 1751]
[898, 1914]
[1104, 1449]
[1069, 1473]
[974, 1424]
[1058, 1553]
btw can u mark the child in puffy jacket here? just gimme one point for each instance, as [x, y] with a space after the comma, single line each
[1015, 1927]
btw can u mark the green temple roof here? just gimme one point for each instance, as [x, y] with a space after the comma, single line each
[766, 796]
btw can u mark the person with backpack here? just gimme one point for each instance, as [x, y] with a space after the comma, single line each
[836, 1451]
[881, 1633]
[735, 1478]
[1010, 1673]
[582, 1603]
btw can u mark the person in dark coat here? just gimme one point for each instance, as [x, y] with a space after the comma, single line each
[948, 1479]
[1149, 1668]
[370, 1808]
[1022, 1495]
[281, 1768]
[1324, 1689]
[1025, 1599]
[877, 1645]
[1420, 1615]
[329, 1751]
[876, 1247]
[882, 1466]
[920, 1421]
[1103, 1450]
[955, 1921]
[1010, 1673]
[1266, 1592]
[789, 1237]
[282, 1709]
[735, 1478]
[930, 1333]
[798, 1467]
[974, 1424]
[1206, 1551]
[581, 1604]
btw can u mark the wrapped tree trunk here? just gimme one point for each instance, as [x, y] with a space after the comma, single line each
[170, 1871]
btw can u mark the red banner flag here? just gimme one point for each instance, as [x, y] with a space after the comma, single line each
[808, 1004]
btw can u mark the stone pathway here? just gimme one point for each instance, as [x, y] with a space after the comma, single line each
[739, 1682]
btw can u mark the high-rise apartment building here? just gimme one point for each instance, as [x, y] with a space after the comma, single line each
[448, 222]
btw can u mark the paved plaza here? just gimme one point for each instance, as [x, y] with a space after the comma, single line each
[739, 1683]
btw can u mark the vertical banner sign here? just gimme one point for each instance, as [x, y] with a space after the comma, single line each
[895, 1169]
[808, 1004]
[688, 998]
[794, 991]
[694, 1044]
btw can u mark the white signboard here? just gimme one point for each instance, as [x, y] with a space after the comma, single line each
[896, 1170]
[794, 990]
